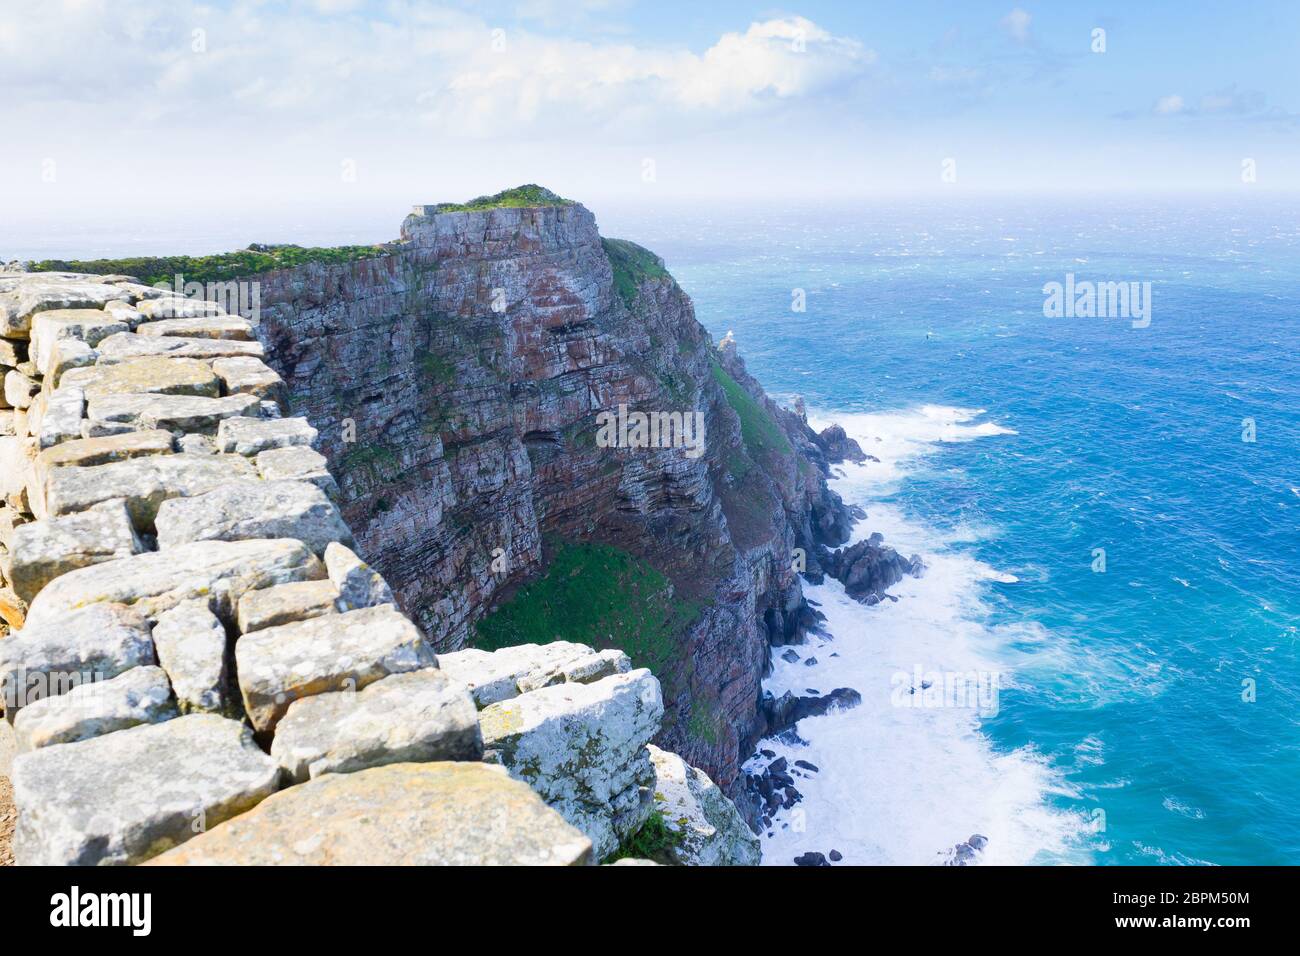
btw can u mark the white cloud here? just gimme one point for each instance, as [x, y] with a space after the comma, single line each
[1168, 105]
[1016, 23]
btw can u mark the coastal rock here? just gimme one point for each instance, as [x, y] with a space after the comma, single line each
[244, 373]
[248, 436]
[242, 510]
[42, 550]
[60, 419]
[583, 748]
[144, 483]
[191, 645]
[711, 830]
[869, 567]
[838, 447]
[201, 327]
[221, 571]
[128, 796]
[90, 326]
[297, 463]
[146, 376]
[51, 656]
[356, 583]
[284, 604]
[128, 345]
[183, 413]
[34, 293]
[417, 717]
[434, 814]
[335, 652]
[141, 695]
[510, 671]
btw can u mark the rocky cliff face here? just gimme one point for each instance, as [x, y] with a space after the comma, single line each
[457, 383]
[199, 661]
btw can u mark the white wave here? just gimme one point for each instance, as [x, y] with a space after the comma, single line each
[904, 777]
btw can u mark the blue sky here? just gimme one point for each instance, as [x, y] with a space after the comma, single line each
[111, 106]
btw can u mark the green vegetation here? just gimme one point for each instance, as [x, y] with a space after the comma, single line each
[221, 267]
[436, 368]
[654, 841]
[379, 462]
[598, 595]
[519, 197]
[705, 720]
[761, 434]
[631, 264]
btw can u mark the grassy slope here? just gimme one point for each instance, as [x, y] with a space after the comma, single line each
[631, 264]
[220, 267]
[519, 197]
[598, 595]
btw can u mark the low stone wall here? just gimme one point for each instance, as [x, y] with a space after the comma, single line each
[200, 669]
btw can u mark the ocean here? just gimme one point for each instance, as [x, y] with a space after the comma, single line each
[1109, 515]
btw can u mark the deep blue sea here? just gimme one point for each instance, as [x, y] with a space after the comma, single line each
[1145, 713]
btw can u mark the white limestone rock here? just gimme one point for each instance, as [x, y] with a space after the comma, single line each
[42, 550]
[128, 345]
[61, 418]
[358, 585]
[54, 653]
[710, 828]
[248, 436]
[151, 375]
[191, 646]
[582, 747]
[284, 604]
[37, 292]
[241, 510]
[19, 389]
[500, 675]
[416, 717]
[145, 483]
[174, 306]
[175, 413]
[141, 695]
[252, 375]
[155, 581]
[200, 327]
[297, 463]
[128, 796]
[90, 326]
[278, 665]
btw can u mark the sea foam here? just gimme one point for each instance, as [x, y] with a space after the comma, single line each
[904, 777]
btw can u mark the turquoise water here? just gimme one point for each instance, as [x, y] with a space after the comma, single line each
[1124, 732]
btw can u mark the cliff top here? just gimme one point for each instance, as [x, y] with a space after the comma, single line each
[530, 194]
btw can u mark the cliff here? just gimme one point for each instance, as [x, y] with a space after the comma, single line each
[202, 670]
[457, 382]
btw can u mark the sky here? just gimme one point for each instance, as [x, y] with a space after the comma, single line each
[171, 111]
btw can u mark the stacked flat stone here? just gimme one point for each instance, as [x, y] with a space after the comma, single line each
[191, 632]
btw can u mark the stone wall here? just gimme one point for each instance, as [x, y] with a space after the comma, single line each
[200, 669]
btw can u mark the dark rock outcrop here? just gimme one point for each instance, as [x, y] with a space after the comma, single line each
[868, 568]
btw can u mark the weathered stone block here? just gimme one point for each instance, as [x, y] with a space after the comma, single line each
[285, 604]
[240, 510]
[510, 671]
[183, 413]
[191, 646]
[357, 583]
[36, 293]
[434, 814]
[710, 829]
[200, 327]
[141, 695]
[417, 717]
[297, 463]
[91, 326]
[128, 796]
[156, 581]
[147, 376]
[43, 550]
[248, 436]
[583, 748]
[278, 665]
[52, 655]
[252, 375]
[145, 483]
[129, 345]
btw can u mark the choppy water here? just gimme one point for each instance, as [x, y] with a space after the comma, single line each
[1013, 446]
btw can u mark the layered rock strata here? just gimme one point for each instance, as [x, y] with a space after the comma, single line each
[198, 660]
